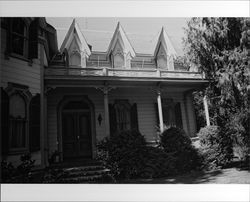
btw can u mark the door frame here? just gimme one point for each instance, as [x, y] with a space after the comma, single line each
[65, 100]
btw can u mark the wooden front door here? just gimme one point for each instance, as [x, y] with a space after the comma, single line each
[76, 134]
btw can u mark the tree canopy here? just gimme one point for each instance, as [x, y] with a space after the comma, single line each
[219, 47]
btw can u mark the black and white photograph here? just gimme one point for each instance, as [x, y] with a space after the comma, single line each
[125, 100]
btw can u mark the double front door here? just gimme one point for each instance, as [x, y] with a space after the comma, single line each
[76, 135]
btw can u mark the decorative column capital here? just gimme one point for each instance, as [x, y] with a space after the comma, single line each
[48, 89]
[105, 89]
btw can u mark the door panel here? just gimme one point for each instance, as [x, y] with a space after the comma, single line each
[76, 135]
[69, 135]
[84, 135]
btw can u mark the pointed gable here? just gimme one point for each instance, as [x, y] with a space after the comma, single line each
[120, 48]
[164, 51]
[76, 46]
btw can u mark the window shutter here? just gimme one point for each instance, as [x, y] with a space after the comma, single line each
[33, 39]
[34, 124]
[157, 114]
[4, 122]
[112, 119]
[134, 117]
[178, 117]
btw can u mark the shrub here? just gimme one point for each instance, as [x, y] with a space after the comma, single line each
[238, 128]
[216, 147]
[157, 163]
[175, 142]
[123, 153]
[21, 173]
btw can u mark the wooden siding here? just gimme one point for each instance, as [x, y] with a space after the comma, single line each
[144, 97]
[19, 71]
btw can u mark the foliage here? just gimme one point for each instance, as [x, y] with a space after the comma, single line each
[177, 144]
[157, 163]
[239, 128]
[216, 147]
[21, 173]
[216, 46]
[128, 156]
[123, 153]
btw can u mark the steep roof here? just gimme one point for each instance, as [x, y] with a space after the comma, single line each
[166, 44]
[74, 32]
[120, 36]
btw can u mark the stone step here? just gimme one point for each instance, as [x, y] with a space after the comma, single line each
[83, 168]
[81, 173]
[81, 179]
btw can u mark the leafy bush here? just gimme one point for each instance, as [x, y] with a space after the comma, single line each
[175, 142]
[21, 173]
[157, 163]
[123, 153]
[238, 128]
[216, 147]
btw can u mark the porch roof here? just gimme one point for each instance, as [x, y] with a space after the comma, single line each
[93, 77]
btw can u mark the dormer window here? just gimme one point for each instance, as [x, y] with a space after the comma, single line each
[118, 60]
[75, 59]
[19, 37]
[120, 50]
[75, 47]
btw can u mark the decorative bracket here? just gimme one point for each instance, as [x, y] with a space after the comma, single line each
[47, 89]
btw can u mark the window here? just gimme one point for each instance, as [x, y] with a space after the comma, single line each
[18, 139]
[123, 116]
[19, 37]
[75, 59]
[118, 61]
[171, 112]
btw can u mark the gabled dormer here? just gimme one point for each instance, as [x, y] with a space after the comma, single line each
[75, 47]
[120, 50]
[164, 52]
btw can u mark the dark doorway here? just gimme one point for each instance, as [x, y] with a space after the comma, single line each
[76, 131]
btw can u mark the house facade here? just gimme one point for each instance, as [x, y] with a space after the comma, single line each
[67, 100]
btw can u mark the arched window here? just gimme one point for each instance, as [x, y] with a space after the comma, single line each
[18, 119]
[75, 59]
[4, 121]
[123, 116]
[162, 62]
[19, 37]
[34, 124]
[118, 61]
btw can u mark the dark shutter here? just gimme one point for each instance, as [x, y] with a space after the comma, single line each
[34, 124]
[33, 39]
[4, 122]
[112, 119]
[157, 114]
[178, 117]
[134, 117]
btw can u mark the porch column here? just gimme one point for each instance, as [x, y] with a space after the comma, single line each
[206, 110]
[106, 111]
[160, 110]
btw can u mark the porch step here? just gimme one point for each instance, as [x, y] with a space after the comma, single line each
[83, 174]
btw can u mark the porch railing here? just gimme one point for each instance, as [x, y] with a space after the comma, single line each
[115, 72]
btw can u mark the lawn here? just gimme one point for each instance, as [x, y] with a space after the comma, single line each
[223, 176]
